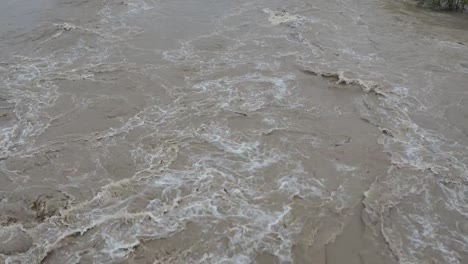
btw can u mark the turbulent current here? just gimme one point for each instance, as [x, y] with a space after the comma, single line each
[232, 131]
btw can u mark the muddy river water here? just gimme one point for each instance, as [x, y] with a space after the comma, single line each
[232, 131]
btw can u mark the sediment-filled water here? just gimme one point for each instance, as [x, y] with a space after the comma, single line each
[146, 131]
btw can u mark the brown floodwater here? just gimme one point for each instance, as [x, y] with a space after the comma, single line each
[202, 131]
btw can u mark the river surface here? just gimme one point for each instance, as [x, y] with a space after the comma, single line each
[232, 131]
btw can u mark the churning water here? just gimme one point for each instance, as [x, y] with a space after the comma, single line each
[232, 131]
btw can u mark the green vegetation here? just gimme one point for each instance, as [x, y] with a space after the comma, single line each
[455, 5]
